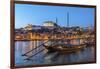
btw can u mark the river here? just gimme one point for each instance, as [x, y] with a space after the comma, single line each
[21, 47]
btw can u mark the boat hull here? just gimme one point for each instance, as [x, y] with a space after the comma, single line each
[64, 49]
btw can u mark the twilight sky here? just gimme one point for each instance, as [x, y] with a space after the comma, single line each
[37, 14]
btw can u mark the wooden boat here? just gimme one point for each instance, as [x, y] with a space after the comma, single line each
[63, 48]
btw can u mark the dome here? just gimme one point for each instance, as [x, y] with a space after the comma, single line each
[49, 23]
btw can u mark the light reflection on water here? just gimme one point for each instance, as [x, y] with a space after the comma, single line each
[22, 47]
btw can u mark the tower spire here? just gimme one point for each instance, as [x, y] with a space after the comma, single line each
[67, 19]
[56, 20]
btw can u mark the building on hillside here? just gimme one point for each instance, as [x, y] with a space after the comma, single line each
[32, 27]
[49, 24]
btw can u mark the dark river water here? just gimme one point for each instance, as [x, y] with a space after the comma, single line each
[21, 47]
